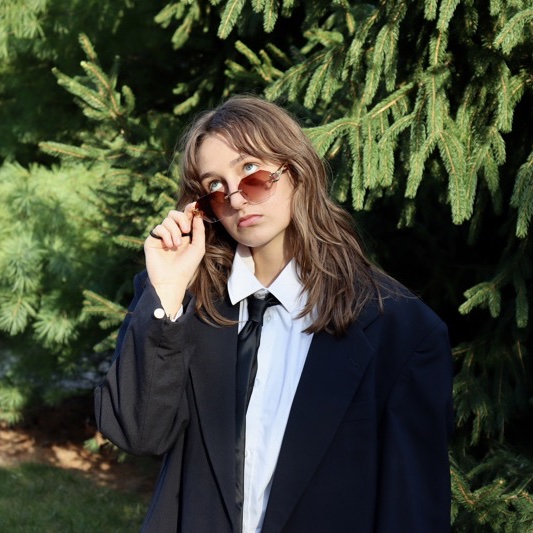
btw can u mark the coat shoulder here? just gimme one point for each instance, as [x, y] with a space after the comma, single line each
[400, 314]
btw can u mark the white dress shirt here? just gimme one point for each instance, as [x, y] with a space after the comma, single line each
[281, 357]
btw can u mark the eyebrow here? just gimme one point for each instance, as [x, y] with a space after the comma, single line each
[232, 163]
[238, 160]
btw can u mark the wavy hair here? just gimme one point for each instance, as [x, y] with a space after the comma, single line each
[332, 266]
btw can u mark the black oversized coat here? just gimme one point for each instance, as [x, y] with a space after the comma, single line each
[365, 448]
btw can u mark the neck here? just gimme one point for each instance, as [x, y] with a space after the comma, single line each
[269, 266]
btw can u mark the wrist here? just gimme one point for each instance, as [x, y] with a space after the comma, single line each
[171, 296]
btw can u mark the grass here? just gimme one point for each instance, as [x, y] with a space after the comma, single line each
[37, 498]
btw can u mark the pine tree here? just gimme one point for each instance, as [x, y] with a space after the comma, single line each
[423, 111]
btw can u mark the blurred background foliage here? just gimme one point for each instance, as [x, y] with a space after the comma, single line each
[422, 109]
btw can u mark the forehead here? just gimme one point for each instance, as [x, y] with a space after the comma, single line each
[217, 150]
[247, 140]
[215, 147]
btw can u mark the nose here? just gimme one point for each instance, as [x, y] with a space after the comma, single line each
[236, 199]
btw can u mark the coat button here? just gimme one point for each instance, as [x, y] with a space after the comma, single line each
[159, 313]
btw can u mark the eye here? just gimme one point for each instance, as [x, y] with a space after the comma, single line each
[250, 168]
[215, 185]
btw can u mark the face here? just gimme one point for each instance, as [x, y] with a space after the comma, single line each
[260, 226]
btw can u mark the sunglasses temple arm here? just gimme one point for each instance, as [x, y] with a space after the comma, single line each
[195, 213]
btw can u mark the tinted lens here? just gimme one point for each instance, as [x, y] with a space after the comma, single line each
[257, 187]
[212, 206]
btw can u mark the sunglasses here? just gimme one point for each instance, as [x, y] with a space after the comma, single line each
[255, 189]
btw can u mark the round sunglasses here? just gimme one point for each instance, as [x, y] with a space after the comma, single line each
[255, 189]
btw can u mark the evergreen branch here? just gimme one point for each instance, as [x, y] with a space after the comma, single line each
[397, 127]
[189, 14]
[461, 484]
[430, 9]
[169, 12]
[65, 150]
[183, 32]
[485, 294]
[270, 14]
[317, 82]
[391, 101]
[494, 502]
[291, 78]
[126, 241]
[438, 45]
[452, 153]
[129, 99]
[229, 17]
[95, 304]
[258, 5]
[522, 198]
[358, 190]
[89, 96]
[385, 170]
[252, 58]
[87, 47]
[262, 65]
[514, 31]
[287, 7]
[296, 77]
[12, 402]
[383, 53]
[370, 157]
[505, 111]
[20, 20]
[416, 165]
[436, 106]
[15, 313]
[447, 9]
[355, 51]
[103, 80]
[53, 327]
[327, 38]
[323, 137]
[497, 145]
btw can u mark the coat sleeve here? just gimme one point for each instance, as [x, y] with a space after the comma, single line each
[414, 482]
[140, 405]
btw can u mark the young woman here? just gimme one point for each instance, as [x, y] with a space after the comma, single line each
[340, 421]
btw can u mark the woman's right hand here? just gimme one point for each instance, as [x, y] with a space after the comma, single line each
[172, 260]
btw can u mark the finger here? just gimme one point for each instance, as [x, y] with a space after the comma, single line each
[183, 219]
[173, 228]
[159, 235]
[198, 231]
[154, 235]
[167, 233]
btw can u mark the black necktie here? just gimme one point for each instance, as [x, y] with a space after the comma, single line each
[248, 344]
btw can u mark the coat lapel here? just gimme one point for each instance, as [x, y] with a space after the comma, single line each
[331, 375]
[213, 381]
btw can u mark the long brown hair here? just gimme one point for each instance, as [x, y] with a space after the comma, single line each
[333, 269]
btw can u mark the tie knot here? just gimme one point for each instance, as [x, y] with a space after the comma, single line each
[258, 306]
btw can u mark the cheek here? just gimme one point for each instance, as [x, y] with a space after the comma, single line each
[227, 224]
[288, 201]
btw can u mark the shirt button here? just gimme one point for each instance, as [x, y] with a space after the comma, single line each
[268, 316]
[159, 313]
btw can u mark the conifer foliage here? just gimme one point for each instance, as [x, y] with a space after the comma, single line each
[423, 111]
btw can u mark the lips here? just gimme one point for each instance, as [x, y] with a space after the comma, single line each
[248, 220]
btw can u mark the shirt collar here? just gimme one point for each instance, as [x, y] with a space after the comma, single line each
[242, 282]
